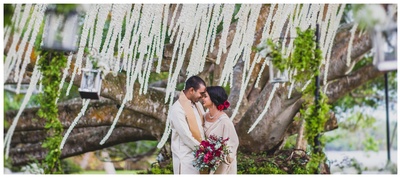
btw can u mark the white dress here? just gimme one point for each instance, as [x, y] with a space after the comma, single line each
[224, 127]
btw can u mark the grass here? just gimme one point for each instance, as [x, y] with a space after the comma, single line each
[117, 171]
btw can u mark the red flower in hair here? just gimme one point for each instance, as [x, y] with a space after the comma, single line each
[220, 107]
[227, 104]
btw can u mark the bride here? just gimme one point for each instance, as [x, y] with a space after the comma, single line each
[218, 123]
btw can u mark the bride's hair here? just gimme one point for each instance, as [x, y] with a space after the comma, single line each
[218, 96]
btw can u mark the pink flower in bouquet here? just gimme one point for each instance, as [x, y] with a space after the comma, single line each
[208, 157]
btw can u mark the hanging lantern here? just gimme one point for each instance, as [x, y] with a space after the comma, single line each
[90, 84]
[60, 31]
[276, 75]
[385, 47]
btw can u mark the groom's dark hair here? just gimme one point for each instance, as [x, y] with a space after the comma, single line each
[195, 82]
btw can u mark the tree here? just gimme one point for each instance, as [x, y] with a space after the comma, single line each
[144, 116]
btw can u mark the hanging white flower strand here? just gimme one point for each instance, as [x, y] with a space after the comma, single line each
[65, 73]
[88, 24]
[335, 17]
[34, 27]
[85, 104]
[261, 116]
[32, 86]
[12, 56]
[349, 47]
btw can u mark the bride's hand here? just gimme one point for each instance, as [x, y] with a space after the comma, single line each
[227, 159]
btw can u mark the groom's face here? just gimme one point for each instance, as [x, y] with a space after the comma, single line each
[198, 94]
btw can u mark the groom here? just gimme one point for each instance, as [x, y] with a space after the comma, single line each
[186, 117]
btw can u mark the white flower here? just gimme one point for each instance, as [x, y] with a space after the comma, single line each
[262, 44]
[32, 168]
[371, 15]
[264, 52]
[104, 68]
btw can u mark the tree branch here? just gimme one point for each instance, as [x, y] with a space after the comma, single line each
[340, 87]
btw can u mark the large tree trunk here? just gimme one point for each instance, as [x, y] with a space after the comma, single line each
[144, 117]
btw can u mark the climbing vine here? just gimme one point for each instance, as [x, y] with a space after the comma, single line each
[306, 59]
[275, 55]
[50, 64]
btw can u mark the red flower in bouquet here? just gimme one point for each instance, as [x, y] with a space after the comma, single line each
[210, 153]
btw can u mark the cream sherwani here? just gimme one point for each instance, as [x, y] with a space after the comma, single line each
[183, 139]
[224, 127]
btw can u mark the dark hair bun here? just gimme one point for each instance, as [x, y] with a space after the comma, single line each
[218, 96]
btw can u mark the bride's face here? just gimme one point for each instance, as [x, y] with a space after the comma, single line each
[207, 103]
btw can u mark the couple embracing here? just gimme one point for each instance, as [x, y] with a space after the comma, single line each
[191, 125]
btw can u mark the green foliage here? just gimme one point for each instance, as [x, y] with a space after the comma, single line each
[158, 76]
[70, 167]
[358, 121]
[306, 56]
[315, 118]
[65, 8]
[180, 86]
[51, 64]
[227, 88]
[73, 92]
[287, 161]
[157, 169]
[12, 101]
[368, 134]
[314, 163]
[8, 13]
[93, 60]
[306, 59]
[251, 164]
[276, 56]
[35, 167]
[354, 118]
[369, 95]
[290, 142]
[39, 37]
[367, 16]
[121, 151]
[371, 144]
[8, 163]
[235, 12]
[347, 16]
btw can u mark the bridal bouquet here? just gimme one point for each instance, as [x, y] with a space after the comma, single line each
[210, 153]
